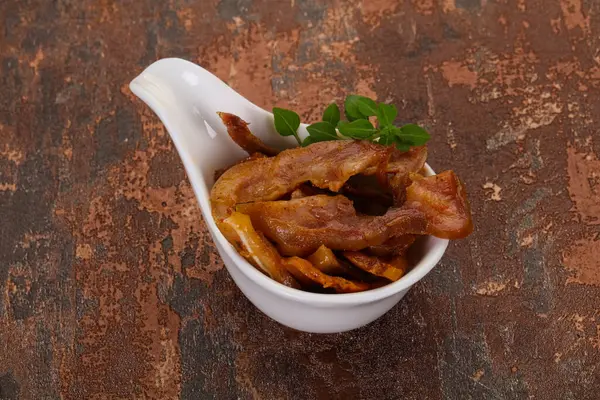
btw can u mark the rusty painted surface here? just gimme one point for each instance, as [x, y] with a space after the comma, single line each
[110, 286]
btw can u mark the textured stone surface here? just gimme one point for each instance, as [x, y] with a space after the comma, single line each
[110, 286]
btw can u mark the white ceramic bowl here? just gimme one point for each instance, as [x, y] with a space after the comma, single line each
[186, 98]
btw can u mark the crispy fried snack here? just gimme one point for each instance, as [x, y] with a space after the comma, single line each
[396, 246]
[327, 165]
[251, 157]
[392, 269]
[256, 249]
[325, 261]
[443, 200]
[300, 226]
[306, 273]
[293, 203]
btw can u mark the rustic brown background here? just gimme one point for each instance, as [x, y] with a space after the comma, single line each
[111, 288]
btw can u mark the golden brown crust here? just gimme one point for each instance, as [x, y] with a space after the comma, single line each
[256, 249]
[304, 271]
[390, 269]
[394, 246]
[300, 226]
[443, 199]
[325, 260]
[327, 165]
[402, 164]
[251, 157]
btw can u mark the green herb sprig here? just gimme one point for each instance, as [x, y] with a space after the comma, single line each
[358, 110]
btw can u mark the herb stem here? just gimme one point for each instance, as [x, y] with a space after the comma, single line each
[298, 138]
[376, 136]
[340, 135]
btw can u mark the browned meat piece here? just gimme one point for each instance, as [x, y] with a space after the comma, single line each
[291, 199]
[298, 194]
[398, 184]
[251, 157]
[306, 273]
[402, 164]
[409, 161]
[241, 135]
[306, 190]
[300, 226]
[443, 200]
[394, 246]
[327, 262]
[324, 260]
[258, 251]
[326, 165]
[389, 269]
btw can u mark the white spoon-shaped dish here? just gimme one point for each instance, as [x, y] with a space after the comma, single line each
[186, 98]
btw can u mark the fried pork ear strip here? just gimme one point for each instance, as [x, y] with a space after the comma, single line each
[443, 200]
[325, 261]
[402, 165]
[327, 165]
[238, 130]
[408, 161]
[300, 226]
[395, 246]
[306, 273]
[251, 157]
[403, 161]
[306, 190]
[399, 162]
[398, 184]
[256, 249]
[392, 269]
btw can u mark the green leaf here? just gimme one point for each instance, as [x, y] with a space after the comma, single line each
[398, 140]
[402, 146]
[332, 114]
[386, 140]
[351, 108]
[393, 135]
[308, 141]
[366, 106]
[286, 122]
[359, 129]
[387, 136]
[413, 135]
[340, 124]
[321, 131]
[386, 114]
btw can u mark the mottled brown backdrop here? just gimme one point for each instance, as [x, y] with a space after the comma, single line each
[111, 288]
